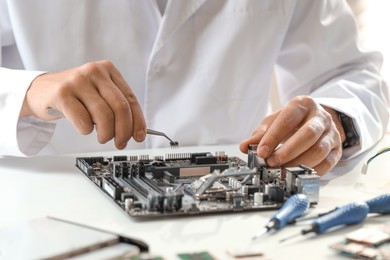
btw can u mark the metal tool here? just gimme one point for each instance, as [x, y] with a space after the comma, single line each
[54, 112]
[174, 144]
[294, 207]
[379, 205]
[349, 214]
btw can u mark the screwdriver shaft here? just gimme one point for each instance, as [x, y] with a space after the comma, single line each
[294, 207]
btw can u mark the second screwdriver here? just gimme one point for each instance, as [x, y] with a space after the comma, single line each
[349, 214]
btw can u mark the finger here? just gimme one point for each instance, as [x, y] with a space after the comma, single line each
[113, 116]
[117, 118]
[283, 126]
[254, 139]
[99, 110]
[138, 121]
[304, 139]
[104, 119]
[329, 162]
[258, 134]
[313, 155]
[77, 114]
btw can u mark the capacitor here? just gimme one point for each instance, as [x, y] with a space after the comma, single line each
[256, 180]
[230, 181]
[237, 200]
[244, 189]
[128, 203]
[234, 183]
[258, 198]
[229, 196]
[266, 189]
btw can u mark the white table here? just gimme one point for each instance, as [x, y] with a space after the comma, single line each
[52, 186]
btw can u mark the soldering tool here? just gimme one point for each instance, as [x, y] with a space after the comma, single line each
[379, 205]
[294, 207]
[349, 214]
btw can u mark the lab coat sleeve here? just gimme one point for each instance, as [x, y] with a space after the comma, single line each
[320, 57]
[20, 137]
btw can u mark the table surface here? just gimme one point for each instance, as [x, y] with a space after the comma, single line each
[37, 187]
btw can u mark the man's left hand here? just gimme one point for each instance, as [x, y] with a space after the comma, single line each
[303, 132]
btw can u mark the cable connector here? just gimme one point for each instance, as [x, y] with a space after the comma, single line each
[364, 168]
[365, 165]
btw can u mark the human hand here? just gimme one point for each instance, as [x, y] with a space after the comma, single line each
[310, 134]
[92, 95]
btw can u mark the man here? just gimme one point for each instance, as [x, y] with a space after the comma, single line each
[197, 70]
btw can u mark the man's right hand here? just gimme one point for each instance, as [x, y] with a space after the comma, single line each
[94, 94]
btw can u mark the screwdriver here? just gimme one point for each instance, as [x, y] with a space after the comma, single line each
[294, 207]
[379, 204]
[345, 215]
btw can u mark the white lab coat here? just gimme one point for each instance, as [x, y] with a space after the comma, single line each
[201, 72]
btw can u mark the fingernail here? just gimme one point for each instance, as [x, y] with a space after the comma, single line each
[140, 136]
[273, 161]
[122, 146]
[263, 151]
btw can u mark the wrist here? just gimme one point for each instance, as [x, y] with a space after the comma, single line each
[25, 110]
[30, 99]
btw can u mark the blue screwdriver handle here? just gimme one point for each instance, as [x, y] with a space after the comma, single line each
[346, 215]
[294, 207]
[380, 204]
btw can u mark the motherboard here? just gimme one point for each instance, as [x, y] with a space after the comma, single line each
[184, 184]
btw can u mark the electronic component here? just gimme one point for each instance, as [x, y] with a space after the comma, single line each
[244, 253]
[366, 243]
[204, 255]
[380, 152]
[196, 183]
[301, 180]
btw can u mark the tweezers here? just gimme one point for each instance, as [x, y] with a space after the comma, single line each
[174, 144]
